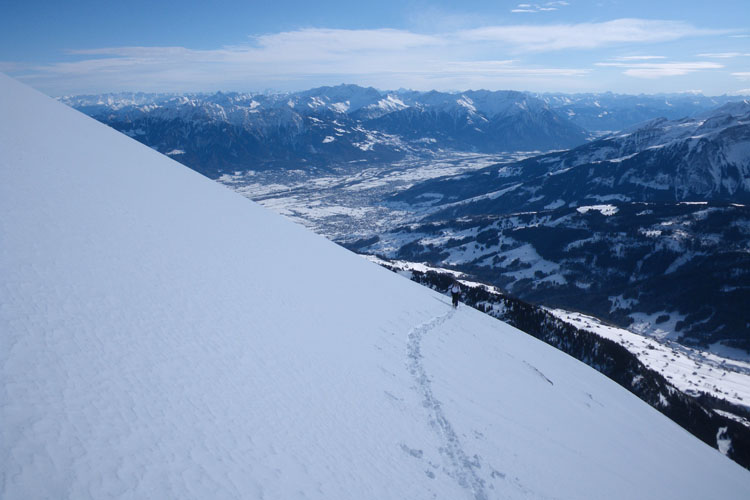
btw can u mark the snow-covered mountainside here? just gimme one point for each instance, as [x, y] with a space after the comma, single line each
[164, 337]
[680, 271]
[693, 159]
[228, 132]
[649, 226]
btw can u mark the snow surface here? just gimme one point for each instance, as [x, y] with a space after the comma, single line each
[164, 337]
[603, 209]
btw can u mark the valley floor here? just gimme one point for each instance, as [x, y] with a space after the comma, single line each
[346, 202]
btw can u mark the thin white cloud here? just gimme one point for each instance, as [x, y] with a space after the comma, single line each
[534, 8]
[638, 58]
[742, 92]
[483, 57]
[537, 38]
[342, 40]
[723, 55]
[742, 75]
[662, 69]
[288, 61]
[11, 67]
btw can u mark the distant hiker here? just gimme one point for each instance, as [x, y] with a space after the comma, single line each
[455, 293]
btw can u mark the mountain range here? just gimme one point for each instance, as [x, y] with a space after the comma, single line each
[691, 159]
[163, 336]
[607, 112]
[227, 132]
[646, 227]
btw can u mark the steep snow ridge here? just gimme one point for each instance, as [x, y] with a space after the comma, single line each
[163, 337]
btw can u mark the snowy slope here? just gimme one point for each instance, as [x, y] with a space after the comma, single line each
[163, 337]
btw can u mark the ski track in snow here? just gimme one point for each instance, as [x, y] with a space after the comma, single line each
[463, 467]
[538, 372]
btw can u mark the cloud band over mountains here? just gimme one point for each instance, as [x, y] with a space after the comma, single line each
[508, 56]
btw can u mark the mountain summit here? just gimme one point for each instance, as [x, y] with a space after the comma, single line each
[163, 337]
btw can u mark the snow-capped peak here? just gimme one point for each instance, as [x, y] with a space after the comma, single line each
[341, 107]
[467, 103]
[391, 103]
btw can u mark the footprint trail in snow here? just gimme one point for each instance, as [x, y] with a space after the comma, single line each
[463, 467]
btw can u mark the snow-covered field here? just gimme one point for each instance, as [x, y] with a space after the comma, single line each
[163, 337]
[691, 370]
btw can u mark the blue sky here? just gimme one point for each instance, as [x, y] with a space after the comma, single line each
[633, 46]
